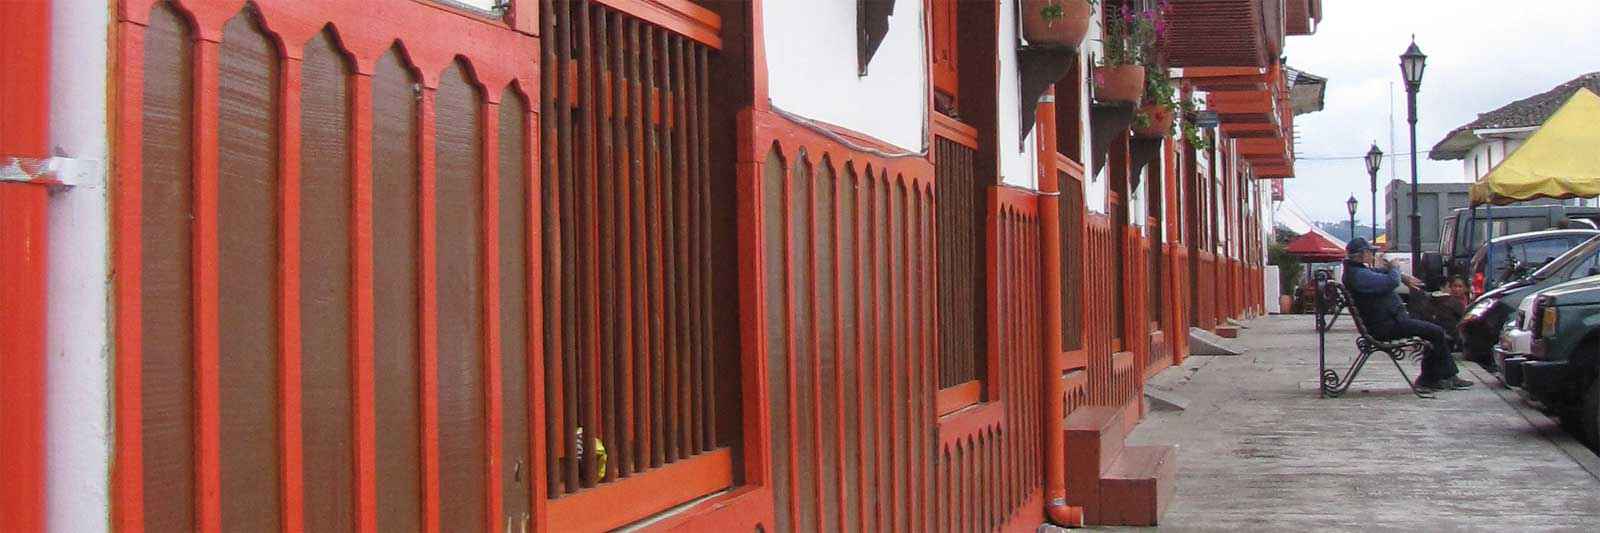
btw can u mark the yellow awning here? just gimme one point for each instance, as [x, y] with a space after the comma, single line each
[1560, 160]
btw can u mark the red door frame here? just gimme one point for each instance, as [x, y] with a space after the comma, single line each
[24, 112]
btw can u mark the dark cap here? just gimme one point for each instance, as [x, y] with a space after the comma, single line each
[1358, 245]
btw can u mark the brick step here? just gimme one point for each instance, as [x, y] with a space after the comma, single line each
[1228, 332]
[1094, 437]
[1138, 487]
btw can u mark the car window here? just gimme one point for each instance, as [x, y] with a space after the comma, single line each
[1573, 264]
[1541, 251]
[1586, 267]
[1508, 226]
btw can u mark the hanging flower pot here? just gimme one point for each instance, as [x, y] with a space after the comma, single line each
[1155, 121]
[1119, 83]
[1055, 22]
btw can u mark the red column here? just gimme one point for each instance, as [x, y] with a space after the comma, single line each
[24, 133]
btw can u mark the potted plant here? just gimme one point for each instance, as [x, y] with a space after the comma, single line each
[1191, 132]
[1128, 39]
[1156, 108]
[1056, 22]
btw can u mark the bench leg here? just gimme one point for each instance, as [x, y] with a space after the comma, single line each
[1333, 385]
[1409, 383]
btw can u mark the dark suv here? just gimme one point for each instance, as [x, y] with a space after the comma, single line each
[1480, 328]
[1465, 231]
[1563, 365]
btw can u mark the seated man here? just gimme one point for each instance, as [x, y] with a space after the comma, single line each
[1373, 289]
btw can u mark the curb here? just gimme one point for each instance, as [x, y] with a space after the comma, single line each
[1548, 427]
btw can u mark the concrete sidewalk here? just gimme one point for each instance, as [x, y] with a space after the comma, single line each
[1260, 451]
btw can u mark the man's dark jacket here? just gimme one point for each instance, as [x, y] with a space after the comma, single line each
[1373, 291]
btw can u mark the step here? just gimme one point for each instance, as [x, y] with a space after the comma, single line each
[1228, 332]
[1094, 438]
[1138, 486]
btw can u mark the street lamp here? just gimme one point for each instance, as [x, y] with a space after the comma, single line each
[1351, 205]
[1412, 64]
[1374, 160]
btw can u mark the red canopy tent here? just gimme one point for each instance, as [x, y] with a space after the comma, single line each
[1317, 247]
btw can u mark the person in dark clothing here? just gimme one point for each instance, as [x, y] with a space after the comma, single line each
[1444, 310]
[1372, 284]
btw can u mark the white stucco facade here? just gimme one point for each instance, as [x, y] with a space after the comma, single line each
[78, 428]
[1019, 160]
[812, 69]
[1491, 151]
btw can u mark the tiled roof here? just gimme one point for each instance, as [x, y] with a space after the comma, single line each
[1530, 111]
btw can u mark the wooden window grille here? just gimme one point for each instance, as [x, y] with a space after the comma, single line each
[634, 341]
[961, 209]
[1072, 252]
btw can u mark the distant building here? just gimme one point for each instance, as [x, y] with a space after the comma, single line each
[1485, 142]
[1434, 201]
[1479, 145]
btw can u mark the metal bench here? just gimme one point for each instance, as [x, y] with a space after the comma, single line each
[1329, 302]
[1397, 350]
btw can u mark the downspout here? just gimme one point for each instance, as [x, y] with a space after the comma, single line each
[24, 195]
[1055, 443]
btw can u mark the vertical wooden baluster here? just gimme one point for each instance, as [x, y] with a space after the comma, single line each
[570, 248]
[691, 200]
[840, 308]
[687, 249]
[858, 309]
[708, 333]
[680, 250]
[590, 380]
[671, 348]
[654, 119]
[623, 247]
[637, 124]
[604, 251]
[897, 352]
[883, 333]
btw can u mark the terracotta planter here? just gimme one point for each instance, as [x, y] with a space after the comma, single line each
[1160, 121]
[1066, 30]
[1119, 83]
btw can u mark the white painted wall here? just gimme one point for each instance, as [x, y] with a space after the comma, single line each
[77, 338]
[1269, 278]
[812, 69]
[1478, 161]
[1094, 196]
[1019, 162]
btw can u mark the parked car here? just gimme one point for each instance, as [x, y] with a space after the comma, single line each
[1481, 327]
[1513, 257]
[1465, 231]
[1561, 325]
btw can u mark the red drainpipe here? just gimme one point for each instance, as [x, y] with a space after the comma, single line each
[24, 140]
[1055, 443]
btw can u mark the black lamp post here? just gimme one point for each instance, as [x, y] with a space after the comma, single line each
[1374, 160]
[1412, 64]
[1351, 205]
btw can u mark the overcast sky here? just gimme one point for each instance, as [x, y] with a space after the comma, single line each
[1481, 55]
